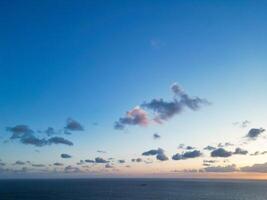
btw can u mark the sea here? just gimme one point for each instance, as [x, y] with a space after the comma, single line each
[132, 189]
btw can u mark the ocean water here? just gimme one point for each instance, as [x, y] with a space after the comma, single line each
[132, 189]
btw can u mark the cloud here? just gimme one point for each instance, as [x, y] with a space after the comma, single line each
[59, 140]
[156, 136]
[258, 168]
[58, 164]
[71, 169]
[258, 153]
[209, 148]
[73, 125]
[240, 151]
[187, 155]
[136, 160]
[108, 165]
[64, 155]
[26, 136]
[19, 131]
[89, 161]
[162, 157]
[165, 110]
[242, 124]
[19, 162]
[254, 133]
[50, 131]
[209, 161]
[226, 144]
[30, 139]
[218, 169]
[100, 160]
[159, 153]
[121, 161]
[220, 152]
[38, 165]
[162, 110]
[136, 116]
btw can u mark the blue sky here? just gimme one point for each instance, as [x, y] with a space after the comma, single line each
[92, 61]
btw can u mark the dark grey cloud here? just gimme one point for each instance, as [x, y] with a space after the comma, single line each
[2, 164]
[27, 136]
[254, 133]
[257, 168]
[209, 148]
[73, 125]
[58, 164]
[165, 110]
[30, 139]
[64, 155]
[240, 151]
[137, 160]
[38, 165]
[19, 131]
[256, 153]
[162, 157]
[159, 153]
[59, 140]
[218, 169]
[152, 152]
[187, 155]
[19, 162]
[89, 161]
[221, 152]
[156, 136]
[121, 161]
[136, 116]
[100, 160]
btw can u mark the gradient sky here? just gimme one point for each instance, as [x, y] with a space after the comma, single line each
[92, 61]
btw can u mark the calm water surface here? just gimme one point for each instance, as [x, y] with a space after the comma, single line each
[132, 189]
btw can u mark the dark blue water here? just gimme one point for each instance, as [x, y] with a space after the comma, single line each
[132, 189]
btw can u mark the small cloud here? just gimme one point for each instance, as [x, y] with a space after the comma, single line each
[136, 160]
[254, 133]
[108, 165]
[240, 151]
[58, 164]
[121, 161]
[19, 163]
[59, 140]
[101, 160]
[187, 155]
[156, 136]
[220, 152]
[209, 148]
[89, 161]
[19, 131]
[136, 116]
[159, 153]
[38, 165]
[73, 125]
[242, 124]
[64, 155]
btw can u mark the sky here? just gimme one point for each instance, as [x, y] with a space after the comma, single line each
[133, 89]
